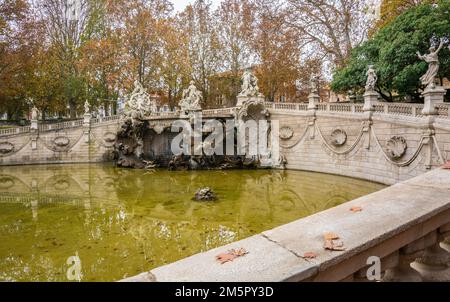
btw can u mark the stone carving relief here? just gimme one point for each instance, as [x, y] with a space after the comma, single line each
[6, 182]
[396, 147]
[314, 84]
[139, 105]
[61, 142]
[372, 79]
[338, 137]
[191, 99]
[61, 183]
[286, 133]
[249, 85]
[6, 148]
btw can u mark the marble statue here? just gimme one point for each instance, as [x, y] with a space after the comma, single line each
[87, 108]
[372, 79]
[34, 114]
[433, 65]
[298, 85]
[191, 99]
[314, 84]
[140, 104]
[249, 84]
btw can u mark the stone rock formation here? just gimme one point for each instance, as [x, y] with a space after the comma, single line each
[205, 194]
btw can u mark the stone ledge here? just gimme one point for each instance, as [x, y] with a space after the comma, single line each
[391, 219]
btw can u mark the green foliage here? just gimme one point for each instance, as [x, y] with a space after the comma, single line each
[393, 52]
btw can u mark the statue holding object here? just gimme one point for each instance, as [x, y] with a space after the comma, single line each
[433, 65]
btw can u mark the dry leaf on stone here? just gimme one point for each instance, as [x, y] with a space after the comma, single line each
[231, 255]
[331, 245]
[356, 209]
[224, 258]
[330, 236]
[239, 252]
[310, 255]
[447, 166]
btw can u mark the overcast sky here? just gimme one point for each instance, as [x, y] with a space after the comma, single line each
[180, 5]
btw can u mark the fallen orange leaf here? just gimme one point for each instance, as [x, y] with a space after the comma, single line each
[356, 209]
[334, 246]
[331, 236]
[224, 258]
[231, 255]
[310, 255]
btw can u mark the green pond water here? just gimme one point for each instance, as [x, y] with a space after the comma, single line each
[102, 223]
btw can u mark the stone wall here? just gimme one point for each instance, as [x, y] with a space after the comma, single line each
[392, 144]
[385, 148]
[73, 142]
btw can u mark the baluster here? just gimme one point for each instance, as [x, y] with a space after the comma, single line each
[404, 272]
[434, 264]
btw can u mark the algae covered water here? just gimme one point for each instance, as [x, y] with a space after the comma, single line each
[102, 223]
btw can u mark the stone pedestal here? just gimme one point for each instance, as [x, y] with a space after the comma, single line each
[370, 98]
[432, 97]
[34, 125]
[314, 100]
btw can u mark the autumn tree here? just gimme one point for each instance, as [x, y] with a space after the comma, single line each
[16, 52]
[100, 60]
[142, 24]
[203, 44]
[329, 28]
[278, 54]
[236, 22]
[174, 67]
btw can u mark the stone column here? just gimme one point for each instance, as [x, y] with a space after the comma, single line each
[432, 96]
[370, 98]
[34, 131]
[87, 127]
[314, 100]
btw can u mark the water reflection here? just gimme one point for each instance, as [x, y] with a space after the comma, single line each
[123, 222]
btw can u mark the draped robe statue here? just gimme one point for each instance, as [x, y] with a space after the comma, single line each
[433, 65]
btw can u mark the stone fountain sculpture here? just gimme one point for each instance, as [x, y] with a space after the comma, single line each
[191, 100]
[314, 95]
[139, 105]
[370, 96]
[249, 89]
[129, 146]
[433, 93]
[428, 79]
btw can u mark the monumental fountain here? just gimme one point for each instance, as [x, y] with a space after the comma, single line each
[137, 131]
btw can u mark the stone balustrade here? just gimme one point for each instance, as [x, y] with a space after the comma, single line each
[405, 109]
[401, 234]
